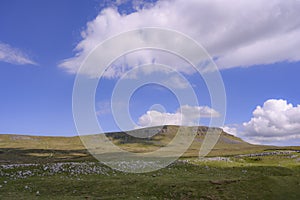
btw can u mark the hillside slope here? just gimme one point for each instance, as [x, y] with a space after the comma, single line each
[24, 148]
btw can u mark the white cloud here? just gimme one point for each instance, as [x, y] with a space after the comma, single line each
[275, 121]
[176, 82]
[13, 55]
[103, 108]
[185, 115]
[231, 129]
[238, 33]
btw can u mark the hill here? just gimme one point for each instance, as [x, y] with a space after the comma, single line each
[25, 148]
[234, 169]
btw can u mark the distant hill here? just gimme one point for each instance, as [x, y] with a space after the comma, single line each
[24, 148]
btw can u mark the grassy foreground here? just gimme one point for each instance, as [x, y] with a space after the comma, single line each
[185, 179]
[33, 167]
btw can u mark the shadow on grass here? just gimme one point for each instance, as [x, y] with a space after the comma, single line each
[20, 155]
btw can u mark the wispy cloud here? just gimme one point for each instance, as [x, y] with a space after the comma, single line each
[14, 55]
[103, 108]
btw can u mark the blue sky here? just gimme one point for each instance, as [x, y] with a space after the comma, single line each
[36, 83]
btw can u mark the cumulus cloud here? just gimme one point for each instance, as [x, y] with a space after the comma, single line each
[231, 129]
[186, 115]
[13, 55]
[276, 120]
[235, 33]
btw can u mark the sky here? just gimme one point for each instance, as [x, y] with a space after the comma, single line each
[254, 44]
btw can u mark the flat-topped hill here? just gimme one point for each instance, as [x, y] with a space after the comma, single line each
[25, 148]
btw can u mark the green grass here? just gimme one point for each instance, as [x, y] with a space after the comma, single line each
[258, 177]
[203, 180]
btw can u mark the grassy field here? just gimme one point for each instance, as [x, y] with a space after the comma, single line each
[182, 180]
[61, 168]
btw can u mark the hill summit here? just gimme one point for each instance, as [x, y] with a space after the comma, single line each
[25, 148]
